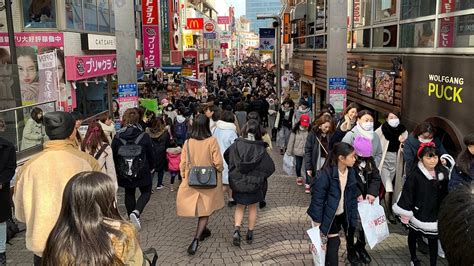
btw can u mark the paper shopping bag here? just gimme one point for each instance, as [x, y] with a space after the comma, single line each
[374, 222]
[319, 255]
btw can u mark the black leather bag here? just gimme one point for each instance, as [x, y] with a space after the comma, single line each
[201, 176]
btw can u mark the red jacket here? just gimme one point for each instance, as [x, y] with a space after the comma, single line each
[174, 158]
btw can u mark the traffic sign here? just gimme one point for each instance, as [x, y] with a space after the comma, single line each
[209, 27]
[210, 35]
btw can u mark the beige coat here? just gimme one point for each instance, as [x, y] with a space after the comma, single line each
[106, 163]
[399, 168]
[192, 201]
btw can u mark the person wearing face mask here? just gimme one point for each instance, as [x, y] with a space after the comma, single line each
[302, 109]
[345, 124]
[284, 124]
[365, 128]
[464, 170]
[33, 133]
[316, 149]
[296, 145]
[391, 135]
[423, 133]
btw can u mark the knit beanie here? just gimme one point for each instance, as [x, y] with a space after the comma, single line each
[58, 125]
[362, 146]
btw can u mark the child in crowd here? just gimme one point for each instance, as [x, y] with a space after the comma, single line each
[173, 154]
[425, 188]
[334, 199]
[296, 145]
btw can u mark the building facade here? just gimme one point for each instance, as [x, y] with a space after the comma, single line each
[406, 56]
[255, 7]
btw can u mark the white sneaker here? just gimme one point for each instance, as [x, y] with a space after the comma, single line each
[159, 187]
[135, 219]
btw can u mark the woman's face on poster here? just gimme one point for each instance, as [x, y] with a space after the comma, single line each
[27, 69]
[60, 71]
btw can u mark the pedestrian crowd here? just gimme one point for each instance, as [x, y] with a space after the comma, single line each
[216, 148]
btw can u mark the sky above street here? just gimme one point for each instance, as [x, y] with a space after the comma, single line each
[239, 6]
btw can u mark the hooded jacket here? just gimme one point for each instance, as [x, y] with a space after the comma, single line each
[249, 165]
[410, 148]
[299, 113]
[421, 198]
[174, 158]
[226, 134]
[129, 134]
[33, 134]
[108, 130]
[161, 141]
[297, 143]
[376, 146]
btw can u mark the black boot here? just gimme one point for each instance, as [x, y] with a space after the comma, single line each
[3, 259]
[236, 238]
[193, 247]
[205, 234]
[362, 252]
[352, 256]
[262, 204]
[250, 237]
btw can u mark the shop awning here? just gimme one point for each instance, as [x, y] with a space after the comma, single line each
[192, 79]
[171, 69]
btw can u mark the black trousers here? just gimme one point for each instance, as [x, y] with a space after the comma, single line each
[413, 235]
[132, 204]
[37, 261]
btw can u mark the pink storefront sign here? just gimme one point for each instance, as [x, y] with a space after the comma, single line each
[54, 39]
[83, 67]
[151, 46]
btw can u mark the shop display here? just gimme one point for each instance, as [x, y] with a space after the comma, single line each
[384, 86]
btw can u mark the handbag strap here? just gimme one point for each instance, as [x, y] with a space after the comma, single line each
[188, 151]
[322, 146]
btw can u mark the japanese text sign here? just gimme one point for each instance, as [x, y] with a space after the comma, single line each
[338, 93]
[150, 12]
[83, 67]
[48, 76]
[209, 27]
[223, 20]
[34, 39]
[151, 46]
[286, 28]
[195, 23]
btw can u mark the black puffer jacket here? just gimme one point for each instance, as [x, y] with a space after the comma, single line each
[130, 134]
[249, 165]
[161, 142]
[7, 171]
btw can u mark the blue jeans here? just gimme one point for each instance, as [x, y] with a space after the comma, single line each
[3, 237]
[160, 175]
[173, 175]
[298, 165]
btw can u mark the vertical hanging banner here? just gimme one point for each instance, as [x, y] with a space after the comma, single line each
[447, 28]
[191, 63]
[286, 28]
[48, 78]
[267, 40]
[151, 34]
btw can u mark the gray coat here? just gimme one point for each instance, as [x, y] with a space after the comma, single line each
[376, 146]
[33, 134]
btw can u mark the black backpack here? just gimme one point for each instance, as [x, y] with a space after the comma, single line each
[131, 158]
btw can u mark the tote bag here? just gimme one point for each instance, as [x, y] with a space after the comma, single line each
[374, 222]
[319, 255]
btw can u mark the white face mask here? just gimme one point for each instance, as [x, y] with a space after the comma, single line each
[394, 122]
[367, 126]
[422, 140]
[302, 128]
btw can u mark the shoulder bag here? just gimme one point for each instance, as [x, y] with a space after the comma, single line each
[200, 176]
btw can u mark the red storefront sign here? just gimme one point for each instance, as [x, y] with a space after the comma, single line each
[150, 12]
[223, 20]
[224, 45]
[83, 67]
[191, 61]
[356, 11]
[209, 26]
[151, 46]
[195, 23]
[446, 32]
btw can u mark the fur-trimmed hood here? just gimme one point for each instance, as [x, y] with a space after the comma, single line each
[225, 125]
[157, 134]
[176, 150]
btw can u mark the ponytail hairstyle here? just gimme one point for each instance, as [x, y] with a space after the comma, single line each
[94, 139]
[85, 227]
[339, 149]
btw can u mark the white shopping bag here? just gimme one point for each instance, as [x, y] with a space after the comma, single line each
[289, 164]
[374, 222]
[319, 255]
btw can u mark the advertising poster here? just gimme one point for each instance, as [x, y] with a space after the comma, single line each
[338, 93]
[366, 82]
[48, 89]
[191, 61]
[446, 32]
[128, 97]
[384, 86]
[151, 46]
[267, 40]
[29, 46]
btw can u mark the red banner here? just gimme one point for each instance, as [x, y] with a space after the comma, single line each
[446, 32]
[223, 20]
[191, 61]
[194, 23]
[150, 12]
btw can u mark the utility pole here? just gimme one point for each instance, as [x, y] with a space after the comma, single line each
[125, 35]
[277, 26]
[16, 91]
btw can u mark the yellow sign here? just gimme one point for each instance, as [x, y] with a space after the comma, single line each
[188, 39]
[186, 72]
[211, 54]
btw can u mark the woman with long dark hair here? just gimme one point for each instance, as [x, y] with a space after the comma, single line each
[203, 150]
[464, 170]
[249, 167]
[97, 145]
[34, 132]
[334, 199]
[160, 138]
[90, 230]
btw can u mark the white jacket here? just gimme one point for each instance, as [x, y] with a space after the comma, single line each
[108, 130]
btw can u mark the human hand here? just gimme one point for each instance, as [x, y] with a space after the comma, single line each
[370, 198]
[360, 198]
[405, 219]
[444, 162]
[309, 172]
[402, 138]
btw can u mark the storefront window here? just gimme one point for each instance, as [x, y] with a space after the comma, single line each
[104, 16]
[456, 32]
[74, 14]
[417, 34]
[315, 17]
[90, 15]
[112, 17]
[418, 8]
[39, 13]
[385, 10]
[448, 6]
[362, 12]
[362, 38]
[91, 97]
[385, 36]
[316, 42]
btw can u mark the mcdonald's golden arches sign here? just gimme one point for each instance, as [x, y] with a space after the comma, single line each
[195, 23]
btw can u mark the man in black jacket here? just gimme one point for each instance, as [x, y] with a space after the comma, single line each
[7, 171]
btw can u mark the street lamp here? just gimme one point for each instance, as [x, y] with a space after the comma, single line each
[278, 48]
